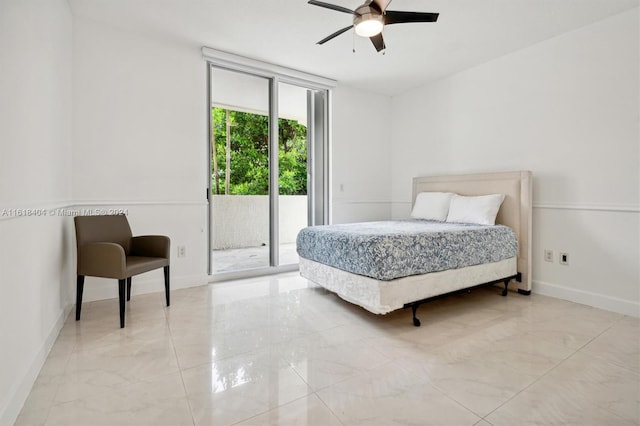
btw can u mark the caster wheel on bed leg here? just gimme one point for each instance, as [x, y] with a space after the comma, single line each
[416, 322]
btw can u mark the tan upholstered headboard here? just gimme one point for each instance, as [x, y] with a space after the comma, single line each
[515, 211]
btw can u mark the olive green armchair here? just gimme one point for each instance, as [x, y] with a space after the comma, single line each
[106, 248]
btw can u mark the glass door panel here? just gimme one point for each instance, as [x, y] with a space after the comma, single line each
[240, 222]
[293, 169]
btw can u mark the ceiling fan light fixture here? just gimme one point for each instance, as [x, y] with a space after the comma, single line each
[368, 25]
[371, 17]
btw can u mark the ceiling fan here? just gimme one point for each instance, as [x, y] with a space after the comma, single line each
[370, 17]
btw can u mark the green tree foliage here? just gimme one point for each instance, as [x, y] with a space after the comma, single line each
[249, 150]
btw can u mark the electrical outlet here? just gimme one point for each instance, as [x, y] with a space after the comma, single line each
[564, 258]
[182, 251]
[548, 255]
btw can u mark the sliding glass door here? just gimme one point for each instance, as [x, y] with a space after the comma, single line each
[239, 171]
[268, 169]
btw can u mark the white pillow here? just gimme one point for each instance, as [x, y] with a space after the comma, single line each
[432, 205]
[482, 209]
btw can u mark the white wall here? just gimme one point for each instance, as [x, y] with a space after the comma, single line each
[360, 156]
[35, 162]
[139, 142]
[567, 109]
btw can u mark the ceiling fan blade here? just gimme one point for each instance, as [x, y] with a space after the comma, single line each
[378, 42]
[336, 34]
[397, 17]
[382, 4]
[332, 6]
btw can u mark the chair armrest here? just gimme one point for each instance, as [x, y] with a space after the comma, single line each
[105, 260]
[151, 246]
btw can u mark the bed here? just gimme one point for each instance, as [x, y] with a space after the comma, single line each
[376, 265]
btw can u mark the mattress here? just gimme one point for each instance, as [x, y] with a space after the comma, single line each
[393, 249]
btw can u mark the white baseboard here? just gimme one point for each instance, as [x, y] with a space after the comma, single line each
[141, 286]
[601, 301]
[20, 391]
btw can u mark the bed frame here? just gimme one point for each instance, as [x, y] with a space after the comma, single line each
[515, 212]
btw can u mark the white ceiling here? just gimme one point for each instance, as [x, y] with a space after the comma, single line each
[284, 32]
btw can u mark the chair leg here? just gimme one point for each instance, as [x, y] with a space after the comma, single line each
[166, 284]
[79, 290]
[121, 291]
[128, 289]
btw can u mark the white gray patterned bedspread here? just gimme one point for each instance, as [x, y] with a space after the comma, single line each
[395, 249]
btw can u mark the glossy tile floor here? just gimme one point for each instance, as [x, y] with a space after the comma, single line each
[239, 259]
[277, 351]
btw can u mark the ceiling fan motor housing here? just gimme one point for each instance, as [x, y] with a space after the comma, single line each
[368, 20]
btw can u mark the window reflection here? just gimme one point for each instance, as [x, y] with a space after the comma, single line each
[221, 382]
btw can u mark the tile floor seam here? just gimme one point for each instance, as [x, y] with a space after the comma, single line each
[292, 367]
[223, 358]
[253, 416]
[581, 348]
[571, 355]
[446, 395]
[524, 389]
[50, 406]
[55, 394]
[329, 408]
[344, 379]
[601, 333]
[616, 361]
[428, 382]
[184, 386]
[613, 413]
